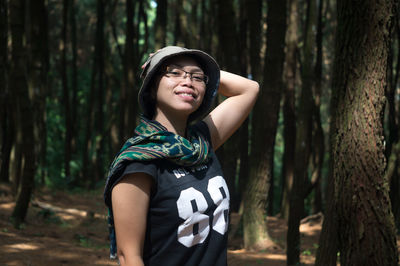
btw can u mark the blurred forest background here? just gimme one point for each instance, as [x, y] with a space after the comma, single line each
[323, 137]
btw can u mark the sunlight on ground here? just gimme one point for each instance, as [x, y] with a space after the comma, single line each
[20, 247]
[7, 206]
[68, 214]
[310, 229]
[258, 255]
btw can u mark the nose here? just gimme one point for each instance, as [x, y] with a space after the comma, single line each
[186, 76]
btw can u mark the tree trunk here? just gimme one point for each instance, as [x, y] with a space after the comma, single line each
[25, 110]
[6, 121]
[318, 146]
[264, 128]
[393, 174]
[161, 24]
[361, 190]
[228, 59]
[99, 87]
[328, 240]
[393, 144]
[74, 77]
[303, 140]
[179, 27]
[243, 145]
[66, 97]
[38, 62]
[289, 115]
[254, 17]
[128, 96]
[329, 237]
[207, 24]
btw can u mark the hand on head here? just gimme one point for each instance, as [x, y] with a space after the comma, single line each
[147, 61]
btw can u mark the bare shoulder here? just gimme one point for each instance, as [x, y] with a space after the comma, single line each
[132, 182]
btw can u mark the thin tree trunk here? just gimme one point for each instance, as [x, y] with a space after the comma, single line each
[128, 96]
[6, 125]
[38, 70]
[328, 240]
[229, 59]
[393, 144]
[254, 17]
[161, 24]
[393, 174]
[244, 130]
[99, 87]
[289, 116]
[361, 190]
[87, 165]
[178, 35]
[74, 83]
[142, 21]
[318, 146]
[207, 24]
[303, 140]
[264, 128]
[66, 96]
[20, 85]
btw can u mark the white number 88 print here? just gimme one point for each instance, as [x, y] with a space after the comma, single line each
[191, 207]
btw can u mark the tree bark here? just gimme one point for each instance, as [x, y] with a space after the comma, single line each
[128, 96]
[74, 77]
[289, 115]
[25, 110]
[161, 24]
[264, 128]
[328, 240]
[318, 147]
[393, 144]
[38, 66]
[361, 190]
[6, 125]
[228, 59]
[329, 237]
[98, 173]
[393, 174]
[254, 17]
[66, 96]
[303, 142]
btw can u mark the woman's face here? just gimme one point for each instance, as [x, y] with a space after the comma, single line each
[180, 90]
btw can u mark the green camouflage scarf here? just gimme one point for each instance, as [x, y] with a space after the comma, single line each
[152, 141]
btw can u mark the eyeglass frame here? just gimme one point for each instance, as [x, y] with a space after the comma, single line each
[206, 79]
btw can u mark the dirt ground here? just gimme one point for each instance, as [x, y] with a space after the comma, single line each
[70, 229]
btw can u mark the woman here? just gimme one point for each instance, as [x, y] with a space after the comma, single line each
[167, 198]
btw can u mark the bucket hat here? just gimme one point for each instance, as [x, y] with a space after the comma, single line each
[151, 69]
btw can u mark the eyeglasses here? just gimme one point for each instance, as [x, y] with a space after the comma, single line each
[175, 72]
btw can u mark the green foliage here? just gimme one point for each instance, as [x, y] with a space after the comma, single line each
[307, 252]
[278, 162]
[49, 216]
[83, 241]
[55, 145]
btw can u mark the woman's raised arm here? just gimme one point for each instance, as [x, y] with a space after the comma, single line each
[226, 118]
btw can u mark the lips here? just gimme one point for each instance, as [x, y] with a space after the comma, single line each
[186, 93]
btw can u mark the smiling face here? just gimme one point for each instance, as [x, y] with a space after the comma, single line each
[180, 95]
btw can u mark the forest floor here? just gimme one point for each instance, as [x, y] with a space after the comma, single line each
[69, 229]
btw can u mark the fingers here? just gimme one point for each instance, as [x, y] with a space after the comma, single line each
[149, 59]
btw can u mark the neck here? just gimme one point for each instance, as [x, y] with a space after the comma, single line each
[175, 125]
